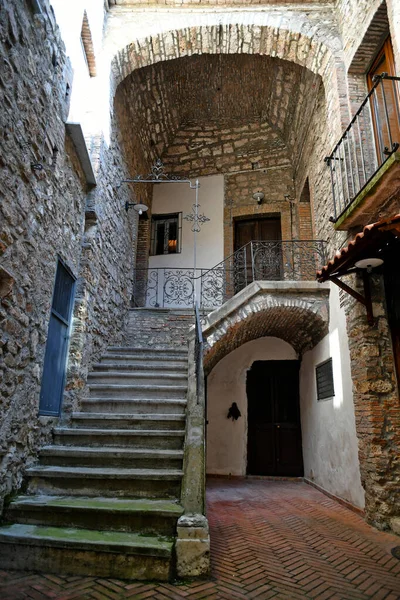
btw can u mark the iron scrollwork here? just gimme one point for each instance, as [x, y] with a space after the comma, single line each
[178, 287]
[296, 260]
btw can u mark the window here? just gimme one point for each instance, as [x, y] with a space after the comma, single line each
[166, 234]
[324, 375]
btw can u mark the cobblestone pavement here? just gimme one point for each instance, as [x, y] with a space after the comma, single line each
[270, 539]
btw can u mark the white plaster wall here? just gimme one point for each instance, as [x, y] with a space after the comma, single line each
[227, 439]
[330, 447]
[179, 198]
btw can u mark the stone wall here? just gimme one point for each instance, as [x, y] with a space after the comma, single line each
[41, 218]
[275, 183]
[49, 211]
[377, 408]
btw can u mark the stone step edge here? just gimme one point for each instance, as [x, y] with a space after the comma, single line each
[104, 473]
[142, 506]
[136, 374]
[158, 367]
[137, 386]
[143, 354]
[132, 452]
[149, 349]
[86, 539]
[119, 432]
[85, 416]
[180, 401]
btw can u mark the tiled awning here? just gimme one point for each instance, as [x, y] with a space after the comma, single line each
[366, 244]
[372, 239]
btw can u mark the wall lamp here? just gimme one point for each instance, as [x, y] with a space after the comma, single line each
[138, 206]
[368, 264]
[259, 196]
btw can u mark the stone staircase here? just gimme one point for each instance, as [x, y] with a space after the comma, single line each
[104, 498]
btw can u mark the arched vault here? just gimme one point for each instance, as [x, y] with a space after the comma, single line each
[297, 312]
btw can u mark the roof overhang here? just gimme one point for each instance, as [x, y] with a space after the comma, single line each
[366, 244]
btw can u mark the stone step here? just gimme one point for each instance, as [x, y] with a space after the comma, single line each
[165, 406]
[134, 458]
[125, 362]
[154, 517]
[137, 391]
[113, 554]
[100, 481]
[166, 353]
[141, 438]
[107, 420]
[136, 377]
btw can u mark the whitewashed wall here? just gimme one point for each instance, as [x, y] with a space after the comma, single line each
[330, 448]
[227, 439]
[179, 198]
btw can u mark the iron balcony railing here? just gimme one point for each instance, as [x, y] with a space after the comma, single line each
[167, 287]
[371, 137]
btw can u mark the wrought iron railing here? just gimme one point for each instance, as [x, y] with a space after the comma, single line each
[371, 137]
[166, 287]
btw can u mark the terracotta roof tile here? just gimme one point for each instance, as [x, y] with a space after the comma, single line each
[353, 247]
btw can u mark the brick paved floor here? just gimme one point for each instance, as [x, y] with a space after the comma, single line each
[270, 539]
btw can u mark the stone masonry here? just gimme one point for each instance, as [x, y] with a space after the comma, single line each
[258, 92]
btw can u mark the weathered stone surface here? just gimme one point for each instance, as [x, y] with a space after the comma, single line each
[259, 89]
[42, 216]
[192, 546]
[297, 312]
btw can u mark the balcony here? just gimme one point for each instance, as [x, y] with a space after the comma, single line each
[365, 163]
[176, 287]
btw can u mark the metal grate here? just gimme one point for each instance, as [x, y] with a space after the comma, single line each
[324, 375]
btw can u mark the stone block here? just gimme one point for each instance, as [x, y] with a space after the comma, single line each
[192, 546]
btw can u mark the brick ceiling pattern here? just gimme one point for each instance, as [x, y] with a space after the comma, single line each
[268, 100]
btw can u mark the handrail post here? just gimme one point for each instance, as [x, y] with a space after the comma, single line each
[193, 539]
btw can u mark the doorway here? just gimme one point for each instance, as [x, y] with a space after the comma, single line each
[385, 102]
[274, 432]
[55, 358]
[261, 261]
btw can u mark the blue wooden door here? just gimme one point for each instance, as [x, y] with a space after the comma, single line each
[55, 358]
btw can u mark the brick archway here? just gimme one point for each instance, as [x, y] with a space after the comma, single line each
[251, 33]
[296, 313]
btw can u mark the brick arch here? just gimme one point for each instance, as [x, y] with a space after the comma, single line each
[297, 39]
[320, 51]
[298, 316]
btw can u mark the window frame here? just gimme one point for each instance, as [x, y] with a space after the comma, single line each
[166, 218]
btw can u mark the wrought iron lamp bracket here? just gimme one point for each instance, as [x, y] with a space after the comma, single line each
[364, 300]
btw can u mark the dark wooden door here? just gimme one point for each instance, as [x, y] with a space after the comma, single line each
[274, 432]
[247, 230]
[262, 262]
[55, 358]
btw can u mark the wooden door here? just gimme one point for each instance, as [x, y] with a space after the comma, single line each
[262, 262]
[274, 432]
[385, 103]
[55, 358]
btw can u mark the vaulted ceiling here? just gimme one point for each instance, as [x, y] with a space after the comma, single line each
[220, 109]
